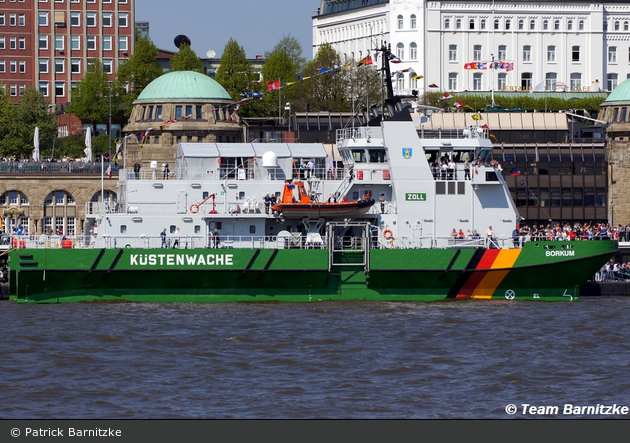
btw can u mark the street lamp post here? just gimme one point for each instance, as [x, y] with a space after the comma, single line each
[612, 195]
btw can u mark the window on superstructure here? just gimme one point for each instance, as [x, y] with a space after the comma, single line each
[358, 155]
[377, 155]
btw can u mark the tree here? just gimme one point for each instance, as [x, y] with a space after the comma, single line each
[90, 98]
[235, 73]
[140, 70]
[331, 91]
[186, 60]
[18, 124]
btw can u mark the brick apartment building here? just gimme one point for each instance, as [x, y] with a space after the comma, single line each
[47, 44]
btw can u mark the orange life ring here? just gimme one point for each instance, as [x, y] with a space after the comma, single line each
[194, 208]
[387, 233]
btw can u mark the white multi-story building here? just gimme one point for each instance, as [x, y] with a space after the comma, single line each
[555, 45]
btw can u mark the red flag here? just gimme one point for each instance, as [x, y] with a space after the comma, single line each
[365, 61]
[445, 96]
[271, 86]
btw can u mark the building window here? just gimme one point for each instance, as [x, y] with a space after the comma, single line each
[532, 25]
[508, 23]
[3, 67]
[617, 27]
[107, 43]
[581, 25]
[611, 80]
[413, 51]
[400, 22]
[42, 18]
[107, 19]
[122, 19]
[527, 53]
[447, 23]
[60, 89]
[123, 44]
[13, 66]
[625, 26]
[545, 25]
[75, 65]
[43, 65]
[108, 66]
[22, 20]
[75, 19]
[22, 67]
[556, 25]
[12, 20]
[521, 24]
[550, 81]
[482, 25]
[477, 52]
[400, 51]
[576, 81]
[2, 44]
[502, 81]
[496, 24]
[90, 19]
[477, 81]
[458, 23]
[1, 19]
[400, 81]
[413, 21]
[13, 43]
[570, 25]
[471, 23]
[551, 53]
[452, 81]
[612, 54]
[22, 42]
[13, 90]
[90, 42]
[43, 42]
[43, 88]
[452, 53]
[526, 81]
[575, 53]
[59, 42]
[502, 52]
[75, 42]
[60, 65]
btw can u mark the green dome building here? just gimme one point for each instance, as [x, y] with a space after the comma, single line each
[178, 107]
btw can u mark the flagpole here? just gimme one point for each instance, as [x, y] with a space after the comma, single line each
[102, 184]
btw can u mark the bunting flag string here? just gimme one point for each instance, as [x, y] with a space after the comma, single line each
[476, 66]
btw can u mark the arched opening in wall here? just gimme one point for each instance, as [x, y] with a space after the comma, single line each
[15, 210]
[109, 199]
[60, 214]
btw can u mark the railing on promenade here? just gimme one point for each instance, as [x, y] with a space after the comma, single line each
[56, 168]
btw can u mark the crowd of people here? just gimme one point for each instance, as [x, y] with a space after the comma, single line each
[574, 231]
